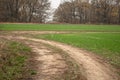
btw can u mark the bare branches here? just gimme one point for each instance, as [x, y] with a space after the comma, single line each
[89, 11]
[24, 10]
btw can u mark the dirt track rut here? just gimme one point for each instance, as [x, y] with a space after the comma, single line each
[93, 69]
[49, 64]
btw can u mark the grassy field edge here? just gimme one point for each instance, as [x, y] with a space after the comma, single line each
[14, 61]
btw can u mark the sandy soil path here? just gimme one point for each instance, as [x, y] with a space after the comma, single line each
[50, 65]
[92, 68]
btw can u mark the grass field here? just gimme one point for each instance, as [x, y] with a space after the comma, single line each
[60, 27]
[14, 60]
[106, 45]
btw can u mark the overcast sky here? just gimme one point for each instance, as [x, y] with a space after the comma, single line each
[55, 3]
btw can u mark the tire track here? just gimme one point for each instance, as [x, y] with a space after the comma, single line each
[93, 69]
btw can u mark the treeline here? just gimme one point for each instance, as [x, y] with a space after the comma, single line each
[24, 10]
[89, 11]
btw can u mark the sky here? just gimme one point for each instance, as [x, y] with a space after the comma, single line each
[55, 3]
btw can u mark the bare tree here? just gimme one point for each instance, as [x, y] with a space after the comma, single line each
[73, 12]
[118, 7]
[89, 11]
[24, 10]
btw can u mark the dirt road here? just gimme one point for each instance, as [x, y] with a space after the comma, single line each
[91, 67]
[49, 64]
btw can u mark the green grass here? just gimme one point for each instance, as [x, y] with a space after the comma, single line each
[106, 45]
[60, 27]
[13, 60]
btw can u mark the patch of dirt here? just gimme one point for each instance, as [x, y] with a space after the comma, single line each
[49, 65]
[92, 68]
[39, 32]
[50, 62]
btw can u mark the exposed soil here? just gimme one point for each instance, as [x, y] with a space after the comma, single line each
[90, 66]
[39, 32]
[93, 69]
[49, 65]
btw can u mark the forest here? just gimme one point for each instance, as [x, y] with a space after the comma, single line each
[69, 11]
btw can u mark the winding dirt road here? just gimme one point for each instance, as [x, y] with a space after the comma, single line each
[92, 68]
[49, 64]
